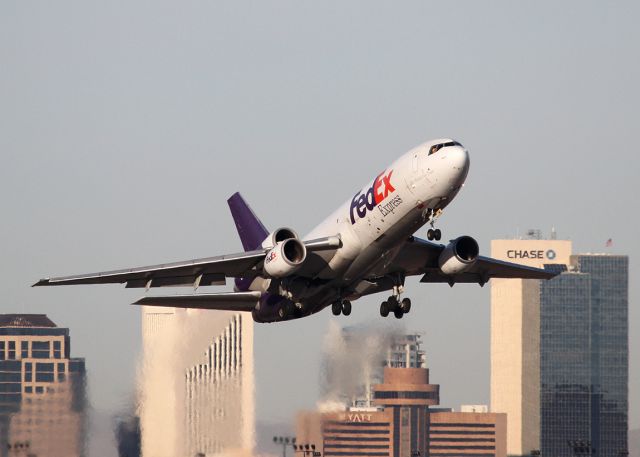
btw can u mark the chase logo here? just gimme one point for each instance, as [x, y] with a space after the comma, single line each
[551, 254]
[378, 191]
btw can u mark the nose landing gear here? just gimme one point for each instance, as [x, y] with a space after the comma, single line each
[433, 233]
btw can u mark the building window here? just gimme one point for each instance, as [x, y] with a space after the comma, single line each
[39, 389]
[40, 349]
[406, 395]
[44, 377]
[24, 346]
[56, 350]
[12, 350]
[28, 390]
[1, 350]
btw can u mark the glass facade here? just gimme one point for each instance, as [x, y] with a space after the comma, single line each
[584, 357]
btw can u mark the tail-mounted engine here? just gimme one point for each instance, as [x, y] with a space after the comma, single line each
[277, 236]
[459, 255]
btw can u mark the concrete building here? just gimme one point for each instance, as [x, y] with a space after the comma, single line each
[42, 389]
[559, 350]
[196, 382]
[467, 433]
[358, 363]
[401, 424]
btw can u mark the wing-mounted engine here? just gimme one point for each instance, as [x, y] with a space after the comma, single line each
[285, 258]
[277, 236]
[459, 255]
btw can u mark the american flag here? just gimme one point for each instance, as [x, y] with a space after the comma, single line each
[609, 243]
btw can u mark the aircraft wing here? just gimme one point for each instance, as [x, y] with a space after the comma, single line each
[419, 256]
[225, 301]
[197, 272]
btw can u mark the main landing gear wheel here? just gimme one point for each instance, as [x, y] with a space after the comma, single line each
[285, 310]
[434, 234]
[392, 305]
[346, 307]
[341, 307]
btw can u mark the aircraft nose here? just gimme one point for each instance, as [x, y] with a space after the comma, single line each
[458, 157]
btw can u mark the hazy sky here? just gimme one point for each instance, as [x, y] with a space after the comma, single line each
[125, 125]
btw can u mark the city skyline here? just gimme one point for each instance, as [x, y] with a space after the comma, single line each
[123, 132]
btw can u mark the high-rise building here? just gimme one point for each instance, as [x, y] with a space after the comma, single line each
[352, 369]
[559, 350]
[42, 389]
[584, 357]
[196, 382]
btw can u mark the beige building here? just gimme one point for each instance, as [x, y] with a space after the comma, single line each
[402, 424]
[42, 389]
[515, 339]
[196, 382]
[467, 433]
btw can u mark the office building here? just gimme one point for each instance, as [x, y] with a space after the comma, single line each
[584, 357]
[559, 350]
[467, 433]
[401, 423]
[42, 389]
[196, 382]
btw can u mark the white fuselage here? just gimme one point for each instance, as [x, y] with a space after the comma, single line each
[392, 207]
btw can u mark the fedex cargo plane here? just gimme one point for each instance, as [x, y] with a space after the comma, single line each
[364, 247]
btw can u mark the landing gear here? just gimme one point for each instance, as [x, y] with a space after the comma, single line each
[434, 234]
[405, 305]
[341, 307]
[398, 308]
[286, 310]
[346, 307]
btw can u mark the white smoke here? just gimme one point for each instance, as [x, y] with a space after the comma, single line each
[353, 359]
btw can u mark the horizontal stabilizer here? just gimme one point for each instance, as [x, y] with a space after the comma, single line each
[224, 301]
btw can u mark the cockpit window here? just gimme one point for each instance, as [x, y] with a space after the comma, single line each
[436, 147]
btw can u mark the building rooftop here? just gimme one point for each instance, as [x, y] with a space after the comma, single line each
[26, 320]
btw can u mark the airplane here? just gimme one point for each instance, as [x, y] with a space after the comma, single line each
[364, 247]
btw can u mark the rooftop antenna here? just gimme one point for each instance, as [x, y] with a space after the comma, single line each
[553, 233]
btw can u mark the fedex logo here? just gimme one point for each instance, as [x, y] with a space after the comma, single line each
[271, 256]
[362, 203]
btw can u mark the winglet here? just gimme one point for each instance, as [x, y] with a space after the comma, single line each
[251, 231]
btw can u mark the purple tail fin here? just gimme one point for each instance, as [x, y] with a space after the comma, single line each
[252, 232]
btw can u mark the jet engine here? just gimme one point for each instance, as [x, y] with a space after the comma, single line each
[277, 236]
[285, 258]
[459, 255]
